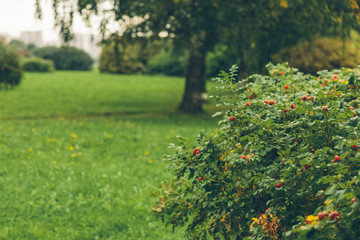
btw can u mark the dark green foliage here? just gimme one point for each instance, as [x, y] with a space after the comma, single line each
[222, 57]
[17, 44]
[322, 53]
[10, 67]
[168, 63]
[22, 49]
[123, 55]
[120, 58]
[173, 63]
[36, 64]
[46, 52]
[66, 58]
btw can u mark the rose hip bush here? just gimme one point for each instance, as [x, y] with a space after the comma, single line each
[284, 163]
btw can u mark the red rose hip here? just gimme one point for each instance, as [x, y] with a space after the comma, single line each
[304, 98]
[272, 102]
[196, 151]
[279, 185]
[322, 215]
[334, 215]
[231, 118]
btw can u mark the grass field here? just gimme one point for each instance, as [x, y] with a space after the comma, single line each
[81, 154]
[87, 94]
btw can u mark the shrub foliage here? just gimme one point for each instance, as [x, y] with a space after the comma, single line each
[322, 53]
[36, 64]
[284, 163]
[10, 67]
[168, 63]
[66, 58]
[119, 58]
[173, 63]
[128, 55]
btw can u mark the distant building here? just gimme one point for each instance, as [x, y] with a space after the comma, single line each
[34, 37]
[88, 43]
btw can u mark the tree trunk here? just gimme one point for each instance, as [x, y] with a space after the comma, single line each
[195, 86]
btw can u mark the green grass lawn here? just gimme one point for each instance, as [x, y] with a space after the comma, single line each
[76, 94]
[81, 154]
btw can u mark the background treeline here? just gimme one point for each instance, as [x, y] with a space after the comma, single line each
[50, 58]
[157, 56]
[16, 57]
[128, 56]
[144, 55]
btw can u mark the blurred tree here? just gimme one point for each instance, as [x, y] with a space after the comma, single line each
[10, 67]
[123, 55]
[21, 48]
[322, 53]
[17, 43]
[255, 29]
[286, 24]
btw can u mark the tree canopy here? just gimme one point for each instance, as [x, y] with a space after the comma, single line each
[254, 29]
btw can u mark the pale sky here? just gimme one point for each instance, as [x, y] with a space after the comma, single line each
[19, 15]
